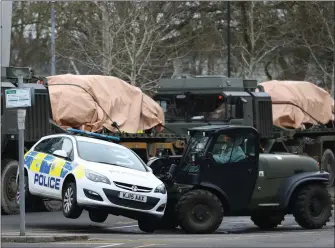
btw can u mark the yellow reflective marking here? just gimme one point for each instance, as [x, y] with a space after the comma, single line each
[79, 172]
[56, 167]
[37, 162]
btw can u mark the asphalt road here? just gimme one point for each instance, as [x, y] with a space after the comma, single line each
[121, 232]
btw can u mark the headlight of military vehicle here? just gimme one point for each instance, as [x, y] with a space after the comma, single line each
[161, 189]
[96, 177]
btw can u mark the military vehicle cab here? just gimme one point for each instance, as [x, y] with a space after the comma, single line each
[224, 172]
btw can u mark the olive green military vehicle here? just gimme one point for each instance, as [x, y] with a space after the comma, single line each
[223, 172]
[273, 178]
[216, 100]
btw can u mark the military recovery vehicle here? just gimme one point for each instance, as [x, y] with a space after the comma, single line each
[209, 100]
[37, 125]
[223, 172]
[280, 180]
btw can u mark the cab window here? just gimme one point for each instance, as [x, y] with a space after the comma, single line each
[233, 148]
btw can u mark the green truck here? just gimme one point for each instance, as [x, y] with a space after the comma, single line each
[210, 100]
[283, 171]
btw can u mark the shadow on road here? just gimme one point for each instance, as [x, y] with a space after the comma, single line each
[91, 229]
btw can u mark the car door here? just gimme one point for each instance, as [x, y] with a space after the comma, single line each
[236, 174]
[40, 180]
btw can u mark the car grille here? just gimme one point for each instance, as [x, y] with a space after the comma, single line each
[113, 197]
[129, 187]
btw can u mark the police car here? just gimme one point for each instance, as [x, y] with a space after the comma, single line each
[96, 175]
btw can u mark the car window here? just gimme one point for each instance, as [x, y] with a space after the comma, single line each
[40, 146]
[109, 155]
[67, 145]
[53, 145]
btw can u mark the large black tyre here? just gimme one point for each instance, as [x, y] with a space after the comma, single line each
[53, 205]
[9, 187]
[147, 226]
[97, 216]
[199, 212]
[328, 164]
[266, 221]
[312, 206]
[70, 207]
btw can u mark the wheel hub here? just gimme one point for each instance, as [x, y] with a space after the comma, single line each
[68, 200]
[201, 213]
[11, 189]
[316, 207]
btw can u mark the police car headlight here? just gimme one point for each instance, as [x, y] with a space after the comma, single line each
[161, 189]
[96, 177]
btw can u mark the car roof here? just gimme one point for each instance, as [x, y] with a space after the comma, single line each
[84, 138]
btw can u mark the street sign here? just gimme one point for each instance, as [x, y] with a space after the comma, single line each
[18, 98]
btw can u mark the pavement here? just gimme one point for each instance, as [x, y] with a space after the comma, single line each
[121, 232]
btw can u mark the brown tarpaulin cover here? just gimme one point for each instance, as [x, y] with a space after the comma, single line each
[123, 103]
[312, 99]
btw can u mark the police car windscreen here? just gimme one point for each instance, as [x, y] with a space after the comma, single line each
[109, 154]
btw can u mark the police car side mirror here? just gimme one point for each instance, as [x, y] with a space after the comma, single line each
[60, 153]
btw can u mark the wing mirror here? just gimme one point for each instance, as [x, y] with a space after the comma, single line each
[61, 153]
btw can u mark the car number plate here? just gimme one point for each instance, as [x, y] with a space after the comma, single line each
[130, 196]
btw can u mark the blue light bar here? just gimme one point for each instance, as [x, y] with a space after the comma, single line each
[97, 135]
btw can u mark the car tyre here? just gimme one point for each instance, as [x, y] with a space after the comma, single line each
[199, 212]
[147, 225]
[70, 207]
[328, 164]
[9, 187]
[312, 206]
[96, 216]
[266, 221]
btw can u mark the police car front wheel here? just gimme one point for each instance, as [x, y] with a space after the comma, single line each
[70, 207]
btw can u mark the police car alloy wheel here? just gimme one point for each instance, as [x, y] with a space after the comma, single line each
[70, 208]
[68, 199]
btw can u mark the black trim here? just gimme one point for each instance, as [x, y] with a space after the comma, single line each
[131, 185]
[92, 196]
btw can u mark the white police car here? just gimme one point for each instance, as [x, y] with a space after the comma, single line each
[99, 176]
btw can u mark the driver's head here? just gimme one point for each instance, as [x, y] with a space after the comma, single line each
[228, 139]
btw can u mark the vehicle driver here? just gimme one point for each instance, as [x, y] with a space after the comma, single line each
[230, 151]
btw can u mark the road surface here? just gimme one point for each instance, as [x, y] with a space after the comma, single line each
[121, 232]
